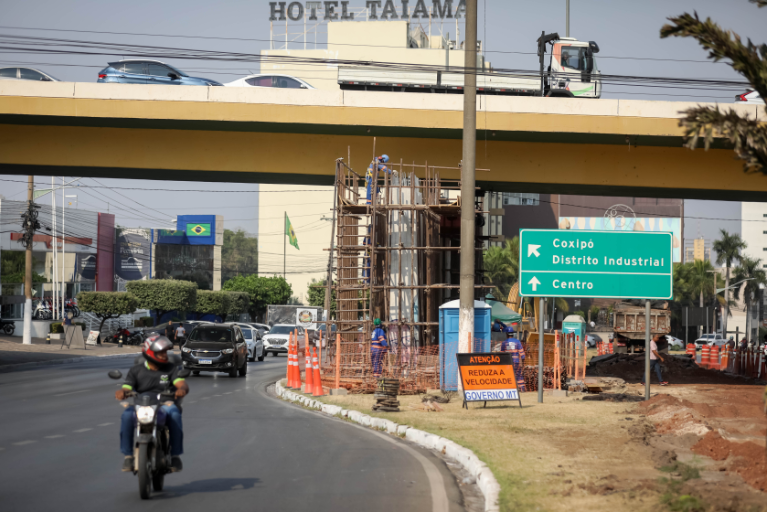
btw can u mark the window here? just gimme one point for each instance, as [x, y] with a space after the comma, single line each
[8, 72]
[287, 83]
[260, 81]
[574, 58]
[521, 198]
[136, 68]
[157, 70]
[30, 74]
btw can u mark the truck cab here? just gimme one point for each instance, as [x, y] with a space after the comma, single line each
[573, 69]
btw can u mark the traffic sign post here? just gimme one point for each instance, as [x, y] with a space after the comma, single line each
[590, 264]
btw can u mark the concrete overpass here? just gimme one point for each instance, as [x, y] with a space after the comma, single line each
[598, 147]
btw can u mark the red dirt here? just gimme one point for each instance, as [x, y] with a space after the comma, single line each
[748, 459]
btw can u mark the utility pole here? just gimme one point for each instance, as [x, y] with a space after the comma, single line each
[467, 261]
[647, 372]
[29, 219]
[285, 234]
[567, 18]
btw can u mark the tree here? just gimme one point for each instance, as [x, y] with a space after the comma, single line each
[107, 305]
[12, 268]
[214, 302]
[747, 135]
[239, 255]
[262, 290]
[164, 296]
[749, 268]
[316, 296]
[502, 267]
[238, 303]
[728, 249]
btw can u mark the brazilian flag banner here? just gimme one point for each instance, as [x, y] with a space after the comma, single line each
[198, 229]
[292, 240]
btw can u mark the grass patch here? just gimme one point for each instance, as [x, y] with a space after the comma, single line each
[672, 497]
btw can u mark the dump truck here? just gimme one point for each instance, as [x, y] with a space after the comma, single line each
[572, 72]
[629, 325]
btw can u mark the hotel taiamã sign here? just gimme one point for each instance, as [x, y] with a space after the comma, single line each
[377, 10]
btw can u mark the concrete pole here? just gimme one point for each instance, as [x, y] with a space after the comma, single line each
[647, 349]
[467, 262]
[541, 350]
[27, 333]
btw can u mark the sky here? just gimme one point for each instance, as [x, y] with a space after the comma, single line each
[627, 33]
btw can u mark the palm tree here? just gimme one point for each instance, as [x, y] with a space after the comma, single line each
[749, 268]
[728, 250]
[502, 267]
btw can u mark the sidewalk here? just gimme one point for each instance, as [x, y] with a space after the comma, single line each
[12, 351]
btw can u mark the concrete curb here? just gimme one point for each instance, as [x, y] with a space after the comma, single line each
[465, 457]
[31, 365]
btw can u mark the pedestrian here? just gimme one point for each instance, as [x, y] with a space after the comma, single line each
[170, 333]
[514, 346]
[68, 319]
[181, 334]
[378, 347]
[371, 177]
[743, 344]
[656, 360]
[498, 326]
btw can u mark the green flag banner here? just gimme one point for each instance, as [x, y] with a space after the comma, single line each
[292, 240]
[40, 192]
[198, 229]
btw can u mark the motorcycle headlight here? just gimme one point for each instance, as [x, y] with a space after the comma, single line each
[186, 350]
[227, 351]
[145, 414]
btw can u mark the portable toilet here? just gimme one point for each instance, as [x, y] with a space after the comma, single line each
[576, 324]
[449, 339]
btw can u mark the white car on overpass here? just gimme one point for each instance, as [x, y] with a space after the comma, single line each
[270, 80]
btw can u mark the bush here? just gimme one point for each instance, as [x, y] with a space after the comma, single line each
[107, 305]
[215, 302]
[146, 322]
[57, 327]
[164, 296]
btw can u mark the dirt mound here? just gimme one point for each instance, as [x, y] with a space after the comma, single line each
[675, 369]
[748, 459]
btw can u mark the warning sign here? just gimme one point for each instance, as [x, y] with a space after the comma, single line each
[488, 377]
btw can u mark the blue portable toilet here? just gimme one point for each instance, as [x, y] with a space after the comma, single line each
[576, 324]
[449, 339]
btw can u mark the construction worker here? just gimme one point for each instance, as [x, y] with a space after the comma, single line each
[513, 345]
[370, 178]
[378, 347]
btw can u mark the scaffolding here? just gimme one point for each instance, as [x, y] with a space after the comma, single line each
[397, 259]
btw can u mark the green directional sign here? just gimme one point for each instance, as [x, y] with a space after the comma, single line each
[584, 263]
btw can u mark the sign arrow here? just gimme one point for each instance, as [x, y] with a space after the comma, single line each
[534, 282]
[533, 249]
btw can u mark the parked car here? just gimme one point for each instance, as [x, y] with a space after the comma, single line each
[315, 335]
[675, 343]
[26, 74]
[277, 340]
[709, 339]
[254, 341]
[149, 71]
[750, 97]
[593, 339]
[216, 348]
[267, 80]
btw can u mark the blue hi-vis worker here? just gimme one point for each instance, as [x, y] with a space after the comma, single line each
[378, 347]
[379, 162]
[514, 346]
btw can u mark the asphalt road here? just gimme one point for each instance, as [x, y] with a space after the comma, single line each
[244, 450]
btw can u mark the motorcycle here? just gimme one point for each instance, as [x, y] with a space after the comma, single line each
[7, 327]
[152, 451]
[133, 338]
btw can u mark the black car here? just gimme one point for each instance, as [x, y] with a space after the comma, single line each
[216, 348]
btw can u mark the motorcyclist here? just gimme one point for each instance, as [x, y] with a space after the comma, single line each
[153, 375]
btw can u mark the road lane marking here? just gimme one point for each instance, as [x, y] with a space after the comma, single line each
[25, 442]
[82, 430]
[204, 398]
[70, 393]
[217, 395]
[225, 393]
[55, 436]
[106, 424]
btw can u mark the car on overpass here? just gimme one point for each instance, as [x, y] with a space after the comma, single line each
[149, 71]
[750, 97]
[270, 80]
[18, 73]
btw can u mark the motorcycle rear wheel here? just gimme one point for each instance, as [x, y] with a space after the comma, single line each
[8, 329]
[157, 481]
[145, 472]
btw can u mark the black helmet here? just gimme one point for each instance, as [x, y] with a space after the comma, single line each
[156, 349]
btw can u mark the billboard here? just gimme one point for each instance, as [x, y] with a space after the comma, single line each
[132, 254]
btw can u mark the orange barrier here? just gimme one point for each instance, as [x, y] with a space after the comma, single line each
[584, 363]
[289, 369]
[704, 356]
[714, 358]
[308, 380]
[317, 390]
[291, 366]
[690, 350]
[610, 347]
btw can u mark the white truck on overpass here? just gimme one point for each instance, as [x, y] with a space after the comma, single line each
[572, 72]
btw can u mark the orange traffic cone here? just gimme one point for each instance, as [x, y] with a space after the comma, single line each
[308, 381]
[317, 391]
[714, 358]
[704, 356]
[293, 355]
[289, 371]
